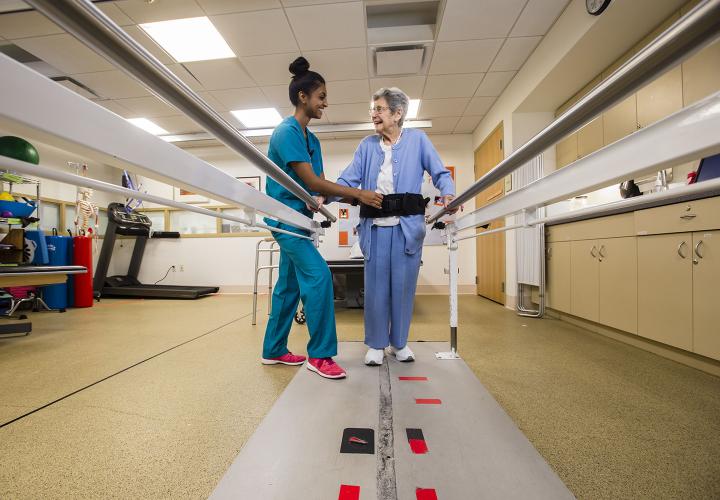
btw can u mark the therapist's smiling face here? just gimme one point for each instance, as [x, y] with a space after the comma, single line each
[317, 102]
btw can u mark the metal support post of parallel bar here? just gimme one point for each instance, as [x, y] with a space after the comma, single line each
[452, 246]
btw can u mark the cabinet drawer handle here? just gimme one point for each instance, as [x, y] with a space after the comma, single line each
[549, 252]
[679, 250]
[688, 216]
[602, 247]
[697, 249]
[593, 251]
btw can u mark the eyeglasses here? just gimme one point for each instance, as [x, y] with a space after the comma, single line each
[377, 109]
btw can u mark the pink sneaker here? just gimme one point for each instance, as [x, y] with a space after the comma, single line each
[286, 359]
[325, 367]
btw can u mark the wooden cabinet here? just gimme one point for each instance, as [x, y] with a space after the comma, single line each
[706, 277]
[665, 286]
[590, 137]
[701, 74]
[660, 98]
[566, 151]
[584, 279]
[557, 276]
[617, 265]
[620, 120]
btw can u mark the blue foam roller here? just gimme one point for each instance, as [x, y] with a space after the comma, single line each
[41, 252]
[56, 296]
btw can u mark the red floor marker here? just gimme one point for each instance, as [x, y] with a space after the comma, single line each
[428, 402]
[414, 378]
[350, 492]
[416, 439]
[425, 494]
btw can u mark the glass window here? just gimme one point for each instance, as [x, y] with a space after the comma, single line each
[102, 222]
[50, 216]
[229, 226]
[157, 219]
[192, 223]
[69, 219]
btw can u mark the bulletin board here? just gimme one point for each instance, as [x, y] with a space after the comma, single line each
[348, 219]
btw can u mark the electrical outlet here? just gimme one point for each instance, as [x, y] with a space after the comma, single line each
[182, 268]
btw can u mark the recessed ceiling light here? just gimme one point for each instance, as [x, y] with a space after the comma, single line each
[413, 109]
[148, 126]
[191, 39]
[261, 117]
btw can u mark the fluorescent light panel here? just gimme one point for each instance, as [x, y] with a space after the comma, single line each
[261, 117]
[413, 109]
[191, 39]
[148, 126]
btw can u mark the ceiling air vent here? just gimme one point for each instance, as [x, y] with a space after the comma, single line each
[398, 60]
[405, 22]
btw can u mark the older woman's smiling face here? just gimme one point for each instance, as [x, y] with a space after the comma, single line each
[382, 117]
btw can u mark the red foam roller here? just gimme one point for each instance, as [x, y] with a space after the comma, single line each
[82, 256]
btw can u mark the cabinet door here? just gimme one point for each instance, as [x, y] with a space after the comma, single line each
[617, 259]
[706, 283]
[590, 137]
[665, 288]
[620, 120]
[660, 98]
[566, 151]
[701, 74]
[558, 276]
[584, 301]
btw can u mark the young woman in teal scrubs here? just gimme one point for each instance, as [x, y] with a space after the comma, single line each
[303, 272]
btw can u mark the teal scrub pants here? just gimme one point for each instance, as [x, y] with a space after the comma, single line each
[303, 274]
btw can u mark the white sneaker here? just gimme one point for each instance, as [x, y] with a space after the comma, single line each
[404, 354]
[374, 357]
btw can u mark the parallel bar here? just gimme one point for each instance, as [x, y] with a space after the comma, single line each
[77, 180]
[32, 105]
[92, 27]
[689, 134]
[690, 33]
[492, 231]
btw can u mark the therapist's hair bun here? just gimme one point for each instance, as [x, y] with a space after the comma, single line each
[299, 66]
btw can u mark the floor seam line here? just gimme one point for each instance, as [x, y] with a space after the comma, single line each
[386, 480]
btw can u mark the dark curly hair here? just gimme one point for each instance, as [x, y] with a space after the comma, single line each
[303, 79]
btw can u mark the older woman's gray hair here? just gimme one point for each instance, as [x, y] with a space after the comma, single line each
[396, 99]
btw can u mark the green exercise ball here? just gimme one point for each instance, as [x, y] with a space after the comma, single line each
[18, 148]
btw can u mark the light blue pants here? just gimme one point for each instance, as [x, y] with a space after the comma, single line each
[390, 282]
[303, 274]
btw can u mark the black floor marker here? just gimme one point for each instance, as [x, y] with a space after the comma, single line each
[358, 441]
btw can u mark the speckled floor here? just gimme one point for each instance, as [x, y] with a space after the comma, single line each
[168, 392]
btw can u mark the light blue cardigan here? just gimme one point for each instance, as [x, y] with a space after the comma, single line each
[412, 156]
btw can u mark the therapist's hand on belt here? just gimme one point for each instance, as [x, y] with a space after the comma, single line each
[370, 198]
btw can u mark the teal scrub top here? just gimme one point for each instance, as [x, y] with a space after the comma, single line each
[288, 144]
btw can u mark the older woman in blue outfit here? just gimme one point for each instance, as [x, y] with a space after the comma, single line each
[392, 163]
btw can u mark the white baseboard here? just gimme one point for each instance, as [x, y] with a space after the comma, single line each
[435, 289]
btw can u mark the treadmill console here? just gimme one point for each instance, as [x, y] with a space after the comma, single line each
[129, 223]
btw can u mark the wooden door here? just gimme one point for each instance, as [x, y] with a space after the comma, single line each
[617, 259]
[490, 249]
[665, 310]
[706, 277]
[584, 279]
[558, 276]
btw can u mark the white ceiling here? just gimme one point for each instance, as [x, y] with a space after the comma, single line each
[479, 46]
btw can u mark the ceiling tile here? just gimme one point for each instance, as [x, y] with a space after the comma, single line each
[112, 84]
[479, 105]
[471, 56]
[277, 95]
[343, 25]
[339, 64]
[256, 33]
[177, 124]
[189, 80]
[113, 12]
[139, 36]
[514, 53]
[411, 85]
[214, 103]
[434, 108]
[220, 74]
[27, 24]
[468, 124]
[115, 107]
[348, 91]
[444, 125]
[478, 19]
[233, 99]
[215, 7]
[65, 53]
[271, 69]
[146, 107]
[537, 17]
[348, 113]
[296, 3]
[142, 11]
[494, 83]
[444, 86]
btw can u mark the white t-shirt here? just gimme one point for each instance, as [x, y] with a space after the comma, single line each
[385, 184]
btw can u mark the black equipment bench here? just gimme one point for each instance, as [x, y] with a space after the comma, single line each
[348, 281]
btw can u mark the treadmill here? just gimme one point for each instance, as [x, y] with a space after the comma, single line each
[129, 223]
